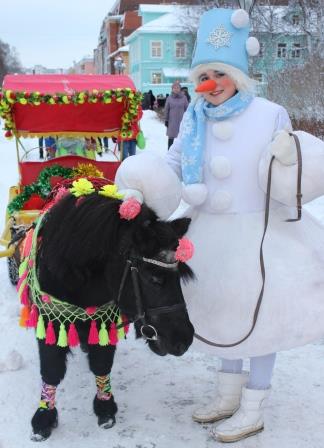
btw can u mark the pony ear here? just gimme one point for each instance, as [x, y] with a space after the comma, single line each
[180, 226]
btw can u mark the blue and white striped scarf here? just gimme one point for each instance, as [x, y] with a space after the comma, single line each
[193, 130]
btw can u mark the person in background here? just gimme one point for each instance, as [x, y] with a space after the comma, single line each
[41, 147]
[105, 142]
[186, 93]
[50, 146]
[70, 146]
[175, 106]
[146, 102]
[152, 99]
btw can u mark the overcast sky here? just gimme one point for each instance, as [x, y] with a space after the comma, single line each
[52, 33]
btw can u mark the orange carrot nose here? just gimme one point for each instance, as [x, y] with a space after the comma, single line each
[206, 86]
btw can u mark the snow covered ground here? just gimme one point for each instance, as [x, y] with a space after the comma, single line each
[155, 395]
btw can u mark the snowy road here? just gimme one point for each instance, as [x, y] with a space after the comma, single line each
[155, 395]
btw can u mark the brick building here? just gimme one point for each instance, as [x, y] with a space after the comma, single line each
[111, 54]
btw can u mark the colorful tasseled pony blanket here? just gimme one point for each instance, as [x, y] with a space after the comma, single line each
[39, 308]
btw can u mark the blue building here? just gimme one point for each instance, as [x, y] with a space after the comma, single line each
[287, 36]
[160, 50]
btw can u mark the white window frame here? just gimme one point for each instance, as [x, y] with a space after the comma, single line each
[160, 42]
[156, 72]
[184, 49]
[281, 50]
[296, 50]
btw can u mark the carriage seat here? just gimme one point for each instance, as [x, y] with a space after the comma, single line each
[29, 171]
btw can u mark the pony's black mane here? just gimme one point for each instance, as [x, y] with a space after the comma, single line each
[84, 241]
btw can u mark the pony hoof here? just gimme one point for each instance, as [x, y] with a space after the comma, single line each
[41, 435]
[106, 422]
[43, 422]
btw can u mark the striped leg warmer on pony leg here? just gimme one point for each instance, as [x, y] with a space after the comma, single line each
[103, 387]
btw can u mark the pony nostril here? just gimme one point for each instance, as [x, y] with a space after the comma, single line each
[180, 348]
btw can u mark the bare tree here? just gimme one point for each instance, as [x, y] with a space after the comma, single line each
[301, 91]
[9, 61]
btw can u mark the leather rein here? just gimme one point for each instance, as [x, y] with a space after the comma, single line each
[148, 331]
[266, 222]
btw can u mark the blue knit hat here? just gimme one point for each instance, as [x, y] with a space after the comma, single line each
[223, 36]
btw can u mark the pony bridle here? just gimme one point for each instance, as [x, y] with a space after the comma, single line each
[148, 331]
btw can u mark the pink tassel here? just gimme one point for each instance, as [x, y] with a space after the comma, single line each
[93, 338]
[33, 317]
[50, 334]
[113, 339]
[126, 326]
[73, 337]
[24, 298]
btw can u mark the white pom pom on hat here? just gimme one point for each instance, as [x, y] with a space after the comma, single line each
[240, 18]
[194, 194]
[252, 46]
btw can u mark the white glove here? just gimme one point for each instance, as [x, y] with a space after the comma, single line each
[148, 177]
[283, 147]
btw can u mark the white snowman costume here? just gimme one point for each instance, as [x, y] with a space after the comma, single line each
[227, 210]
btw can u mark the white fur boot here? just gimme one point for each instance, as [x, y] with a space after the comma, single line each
[227, 400]
[247, 421]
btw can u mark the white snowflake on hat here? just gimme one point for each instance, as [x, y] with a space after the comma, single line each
[220, 37]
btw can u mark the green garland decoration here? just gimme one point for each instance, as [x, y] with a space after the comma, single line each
[41, 186]
[8, 98]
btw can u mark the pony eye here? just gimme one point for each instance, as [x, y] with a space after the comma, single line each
[157, 280]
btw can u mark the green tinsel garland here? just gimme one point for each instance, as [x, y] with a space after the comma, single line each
[41, 186]
[132, 102]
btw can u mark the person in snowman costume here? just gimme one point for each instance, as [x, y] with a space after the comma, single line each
[259, 272]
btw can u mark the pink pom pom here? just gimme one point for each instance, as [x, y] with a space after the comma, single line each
[129, 209]
[184, 250]
[73, 337]
[62, 191]
[50, 334]
[46, 299]
[91, 310]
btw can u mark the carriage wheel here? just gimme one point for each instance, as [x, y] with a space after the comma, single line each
[13, 266]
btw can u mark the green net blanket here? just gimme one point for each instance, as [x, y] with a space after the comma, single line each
[107, 325]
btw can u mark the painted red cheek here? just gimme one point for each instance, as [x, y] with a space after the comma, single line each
[227, 82]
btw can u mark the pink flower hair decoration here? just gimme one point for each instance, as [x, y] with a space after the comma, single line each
[185, 250]
[129, 209]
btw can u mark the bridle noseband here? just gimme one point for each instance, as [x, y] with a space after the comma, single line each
[148, 331]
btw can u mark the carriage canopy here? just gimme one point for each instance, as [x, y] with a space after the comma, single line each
[69, 105]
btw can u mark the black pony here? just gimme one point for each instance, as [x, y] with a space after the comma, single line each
[90, 256]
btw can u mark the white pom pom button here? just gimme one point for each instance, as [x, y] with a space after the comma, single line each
[220, 167]
[240, 18]
[252, 46]
[223, 130]
[221, 200]
[194, 194]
